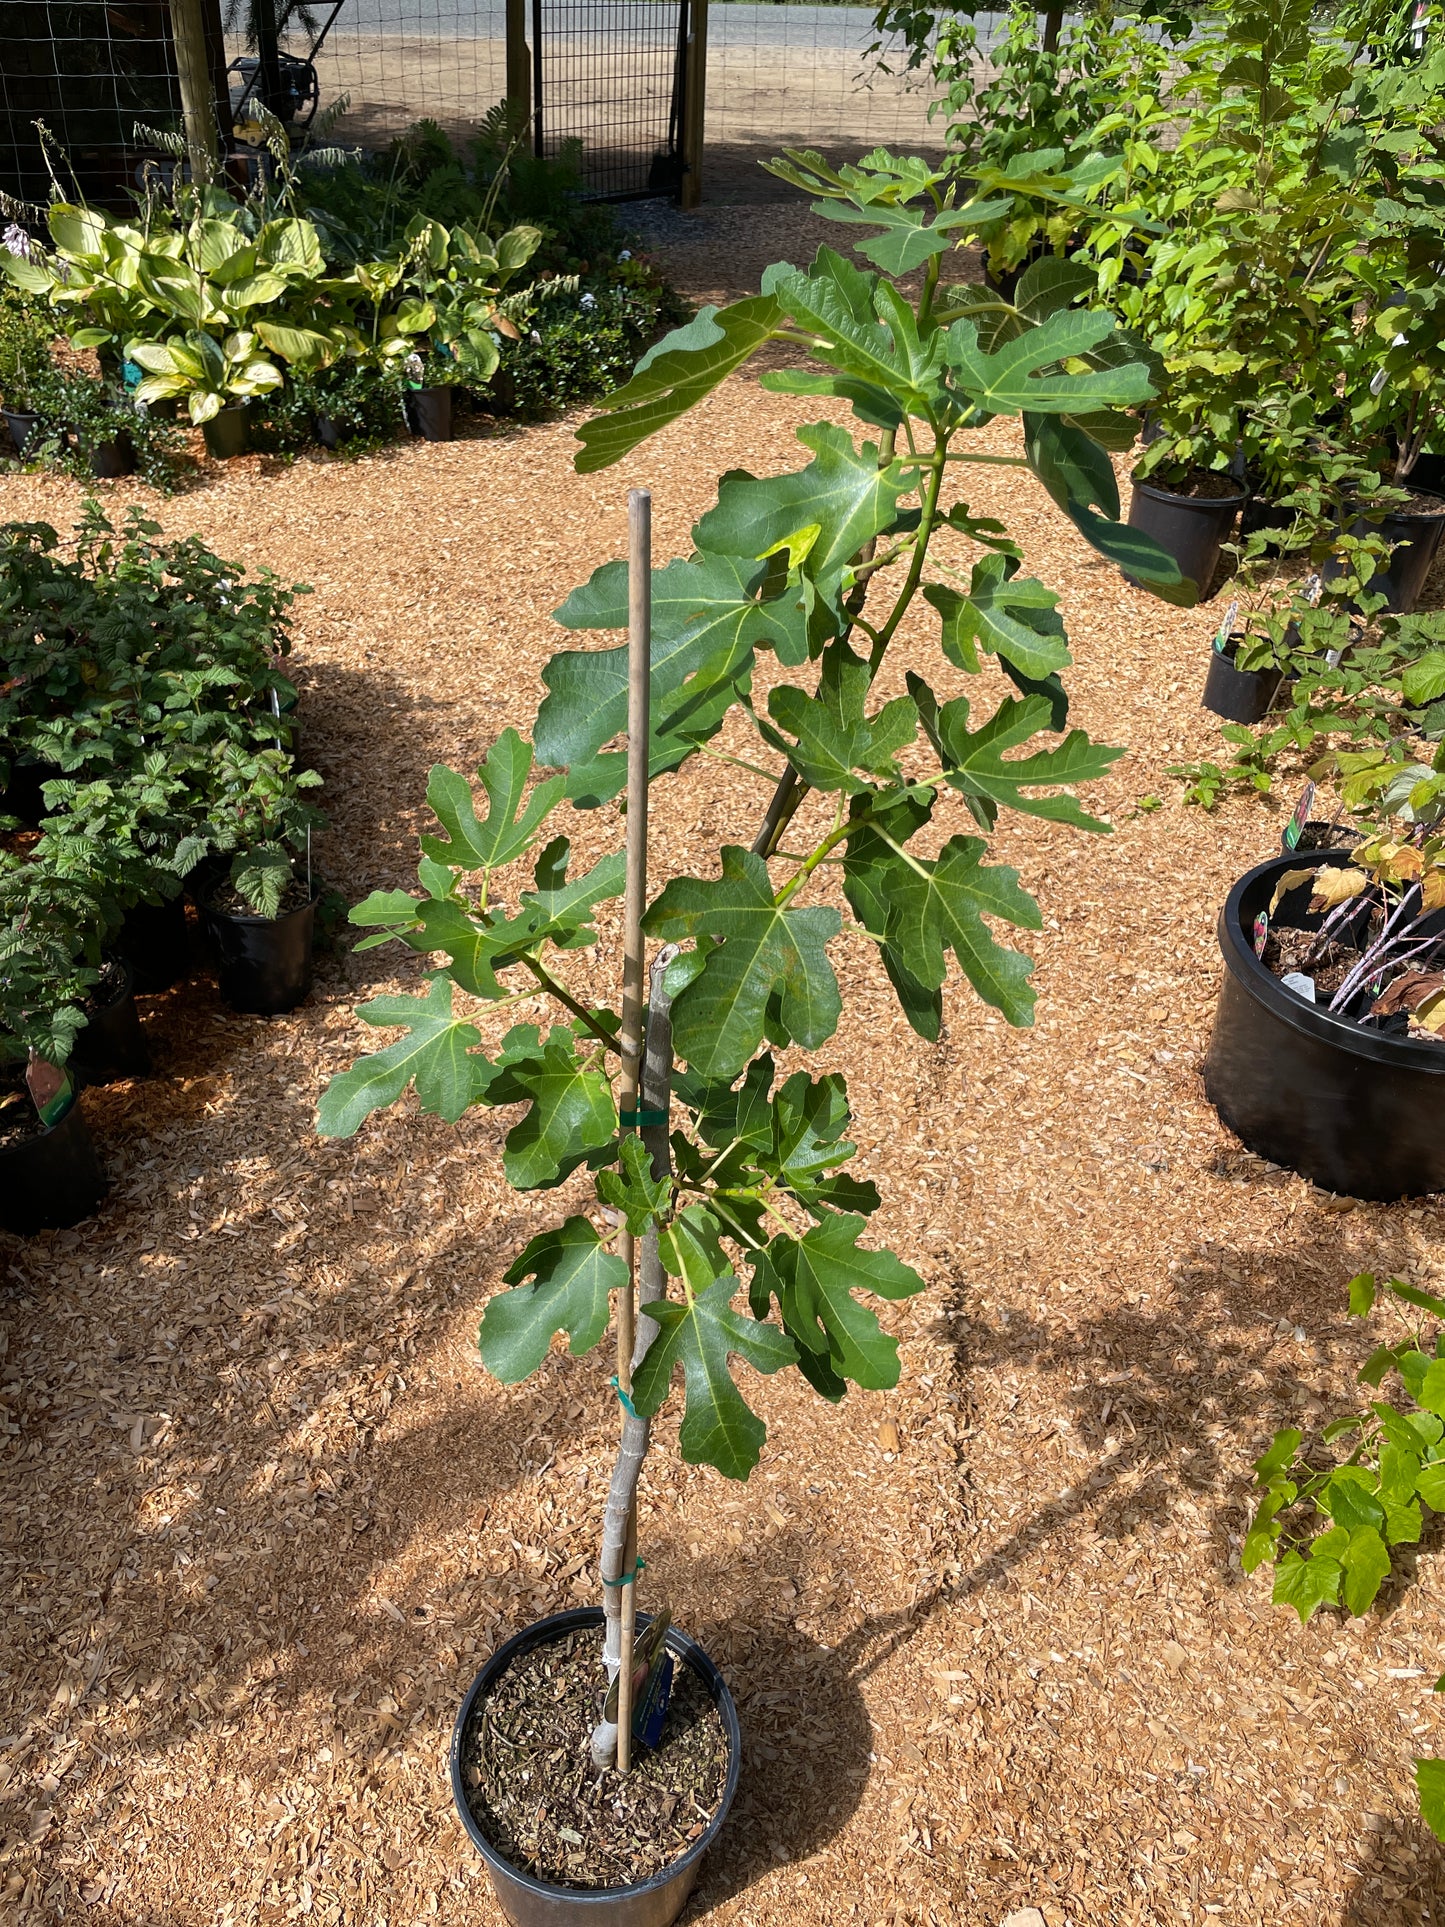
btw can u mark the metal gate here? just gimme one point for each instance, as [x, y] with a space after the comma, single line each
[614, 75]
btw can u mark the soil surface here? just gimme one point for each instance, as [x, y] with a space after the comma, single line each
[532, 1790]
[1326, 836]
[19, 1119]
[1199, 485]
[228, 901]
[992, 1646]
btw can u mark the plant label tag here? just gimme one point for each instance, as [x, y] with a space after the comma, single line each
[645, 1650]
[1261, 932]
[1226, 628]
[1300, 984]
[1294, 830]
[651, 1711]
[50, 1089]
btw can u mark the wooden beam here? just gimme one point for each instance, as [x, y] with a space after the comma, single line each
[519, 62]
[198, 95]
[694, 103]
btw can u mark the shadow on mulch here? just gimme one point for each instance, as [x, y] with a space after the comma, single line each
[808, 1741]
[1401, 1879]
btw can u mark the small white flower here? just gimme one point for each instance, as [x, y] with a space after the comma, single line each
[626, 255]
[16, 241]
[536, 337]
[588, 301]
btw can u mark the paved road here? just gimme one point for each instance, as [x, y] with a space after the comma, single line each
[728, 25]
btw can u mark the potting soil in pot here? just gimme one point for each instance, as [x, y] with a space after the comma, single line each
[229, 901]
[533, 1791]
[19, 1118]
[1315, 970]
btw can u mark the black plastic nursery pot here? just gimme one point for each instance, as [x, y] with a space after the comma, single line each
[528, 1902]
[1355, 1111]
[264, 964]
[22, 797]
[1190, 528]
[111, 458]
[155, 941]
[1239, 695]
[228, 433]
[53, 1180]
[429, 413]
[1318, 834]
[112, 1045]
[22, 425]
[1416, 539]
[330, 432]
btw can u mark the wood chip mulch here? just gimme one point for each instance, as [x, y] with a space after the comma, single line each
[264, 1516]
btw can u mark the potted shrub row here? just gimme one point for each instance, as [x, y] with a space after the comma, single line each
[145, 723]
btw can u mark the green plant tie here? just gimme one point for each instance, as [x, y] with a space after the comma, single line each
[625, 1397]
[640, 1120]
[627, 1578]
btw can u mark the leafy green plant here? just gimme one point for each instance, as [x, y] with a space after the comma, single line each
[739, 1171]
[50, 931]
[1084, 104]
[259, 817]
[576, 342]
[1333, 1526]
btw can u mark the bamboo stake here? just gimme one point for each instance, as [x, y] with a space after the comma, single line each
[639, 691]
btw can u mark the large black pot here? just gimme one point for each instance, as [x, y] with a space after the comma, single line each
[1417, 538]
[112, 1044]
[1190, 528]
[264, 963]
[332, 433]
[154, 940]
[429, 413]
[22, 797]
[1239, 695]
[228, 433]
[23, 425]
[53, 1180]
[528, 1902]
[1353, 1110]
[111, 458]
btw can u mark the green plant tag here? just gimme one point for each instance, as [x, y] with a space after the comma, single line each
[1294, 830]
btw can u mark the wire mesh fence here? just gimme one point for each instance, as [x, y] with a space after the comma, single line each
[780, 73]
[89, 72]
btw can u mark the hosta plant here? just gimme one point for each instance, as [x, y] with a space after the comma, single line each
[877, 797]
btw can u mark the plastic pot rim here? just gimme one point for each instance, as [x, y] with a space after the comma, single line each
[249, 916]
[1403, 1053]
[1204, 503]
[557, 1624]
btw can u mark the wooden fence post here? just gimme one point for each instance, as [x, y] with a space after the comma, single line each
[198, 94]
[695, 103]
[519, 62]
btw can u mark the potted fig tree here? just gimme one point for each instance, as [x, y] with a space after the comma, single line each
[709, 1166]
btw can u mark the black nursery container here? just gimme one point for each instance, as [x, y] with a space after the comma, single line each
[528, 1902]
[52, 1181]
[264, 964]
[1239, 695]
[23, 797]
[112, 458]
[229, 433]
[1190, 528]
[155, 942]
[429, 413]
[1356, 1111]
[112, 1044]
[22, 425]
[1417, 540]
[330, 432]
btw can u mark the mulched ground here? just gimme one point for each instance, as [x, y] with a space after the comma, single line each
[264, 1515]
